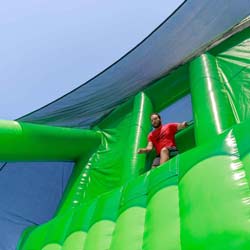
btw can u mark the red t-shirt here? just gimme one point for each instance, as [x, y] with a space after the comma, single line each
[163, 136]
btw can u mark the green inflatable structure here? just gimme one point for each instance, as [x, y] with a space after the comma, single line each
[198, 200]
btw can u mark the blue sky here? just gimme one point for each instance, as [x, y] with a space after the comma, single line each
[49, 48]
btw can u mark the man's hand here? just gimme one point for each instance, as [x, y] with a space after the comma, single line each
[185, 124]
[141, 151]
[145, 150]
[182, 125]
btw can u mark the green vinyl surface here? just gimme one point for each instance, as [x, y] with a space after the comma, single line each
[198, 200]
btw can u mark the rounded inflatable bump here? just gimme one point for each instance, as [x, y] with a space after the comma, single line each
[162, 227]
[162, 224]
[75, 241]
[130, 223]
[100, 235]
[52, 246]
[57, 230]
[214, 205]
[129, 229]
[103, 221]
[81, 219]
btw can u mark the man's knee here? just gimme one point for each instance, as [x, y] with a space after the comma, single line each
[164, 151]
[164, 155]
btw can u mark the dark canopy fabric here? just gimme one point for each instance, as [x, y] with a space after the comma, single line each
[29, 195]
[190, 29]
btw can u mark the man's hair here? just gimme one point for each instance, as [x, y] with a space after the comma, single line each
[156, 114]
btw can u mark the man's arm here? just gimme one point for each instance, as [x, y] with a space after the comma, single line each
[147, 149]
[182, 125]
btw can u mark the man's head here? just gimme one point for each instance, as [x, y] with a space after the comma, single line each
[155, 120]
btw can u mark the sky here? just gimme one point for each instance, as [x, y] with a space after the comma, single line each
[48, 48]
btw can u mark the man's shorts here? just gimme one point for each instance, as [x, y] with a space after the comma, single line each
[173, 151]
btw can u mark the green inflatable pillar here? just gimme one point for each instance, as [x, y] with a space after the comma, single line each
[212, 111]
[213, 190]
[139, 128]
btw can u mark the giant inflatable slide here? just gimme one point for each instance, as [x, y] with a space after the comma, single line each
[71, 178]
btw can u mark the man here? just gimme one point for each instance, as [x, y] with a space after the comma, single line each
[162, 139]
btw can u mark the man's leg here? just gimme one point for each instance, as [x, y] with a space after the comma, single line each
[164, 155]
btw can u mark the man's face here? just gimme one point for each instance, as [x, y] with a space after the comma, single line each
[155, 121]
